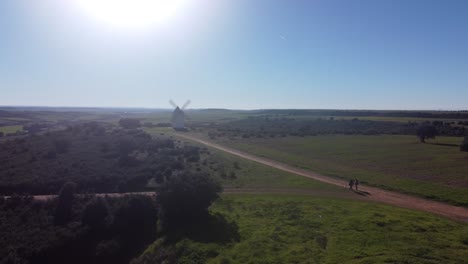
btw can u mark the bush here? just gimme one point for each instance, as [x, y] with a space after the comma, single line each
[129, 123]
[186, 197]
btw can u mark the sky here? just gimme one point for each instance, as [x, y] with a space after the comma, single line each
[240, 54]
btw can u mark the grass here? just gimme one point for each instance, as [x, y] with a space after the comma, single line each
[14, 118]
[436, 170]
[304, 229]
[10, 129]
[286, 228]
[250, 174]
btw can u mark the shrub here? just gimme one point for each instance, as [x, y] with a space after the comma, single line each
[129, 123]
[186, 196]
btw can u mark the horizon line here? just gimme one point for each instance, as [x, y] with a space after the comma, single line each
[229, 109]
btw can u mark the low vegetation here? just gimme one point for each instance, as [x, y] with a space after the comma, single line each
[78, 230]
[301, 229]
[436, 170]
[96, 157]
[6, 130]
[266, 127]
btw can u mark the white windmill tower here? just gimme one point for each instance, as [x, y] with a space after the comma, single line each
[178, 116]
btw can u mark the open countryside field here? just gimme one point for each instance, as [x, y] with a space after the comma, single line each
[236, 172]
[436, 170]
[10, 129]
[266, 215]
[304, 229]
[250, 174]
[239, 175]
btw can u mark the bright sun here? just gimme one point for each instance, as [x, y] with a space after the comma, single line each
[131, 14]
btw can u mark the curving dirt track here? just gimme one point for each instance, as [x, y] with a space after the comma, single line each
[369, 193]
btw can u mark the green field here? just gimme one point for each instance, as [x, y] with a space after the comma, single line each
[304, 229]
[249, 174]
[436, 170]
[329, 225]
[10, 129]
[252, 174]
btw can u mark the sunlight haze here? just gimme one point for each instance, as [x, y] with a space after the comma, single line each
[235, 54]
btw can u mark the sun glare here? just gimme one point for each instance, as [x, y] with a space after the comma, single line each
[131, 14]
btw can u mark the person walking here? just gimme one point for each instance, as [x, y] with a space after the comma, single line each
[351, 183]
[356, 183]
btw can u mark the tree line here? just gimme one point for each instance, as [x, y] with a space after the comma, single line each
[261, 126]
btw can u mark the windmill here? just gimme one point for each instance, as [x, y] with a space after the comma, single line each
[178, 116]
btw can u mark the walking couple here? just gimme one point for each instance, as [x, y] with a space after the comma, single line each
[353, 182]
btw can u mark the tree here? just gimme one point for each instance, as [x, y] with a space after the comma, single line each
[186, 197]
[425, 132]
[464, 145]
[135, 219]
[129, 123]
[63, 211]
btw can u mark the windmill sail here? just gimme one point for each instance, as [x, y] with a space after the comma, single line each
[186, 104]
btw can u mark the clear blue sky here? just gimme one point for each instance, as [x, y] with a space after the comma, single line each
[242, 54]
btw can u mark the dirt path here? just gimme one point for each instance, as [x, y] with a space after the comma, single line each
[227, 190]
[369, 193]
[46, 197]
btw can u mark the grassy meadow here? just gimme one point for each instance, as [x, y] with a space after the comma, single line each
[235, 172]
[248, 174]
[436, 170]
[304, 229]
[328, 225]
[10, 129]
